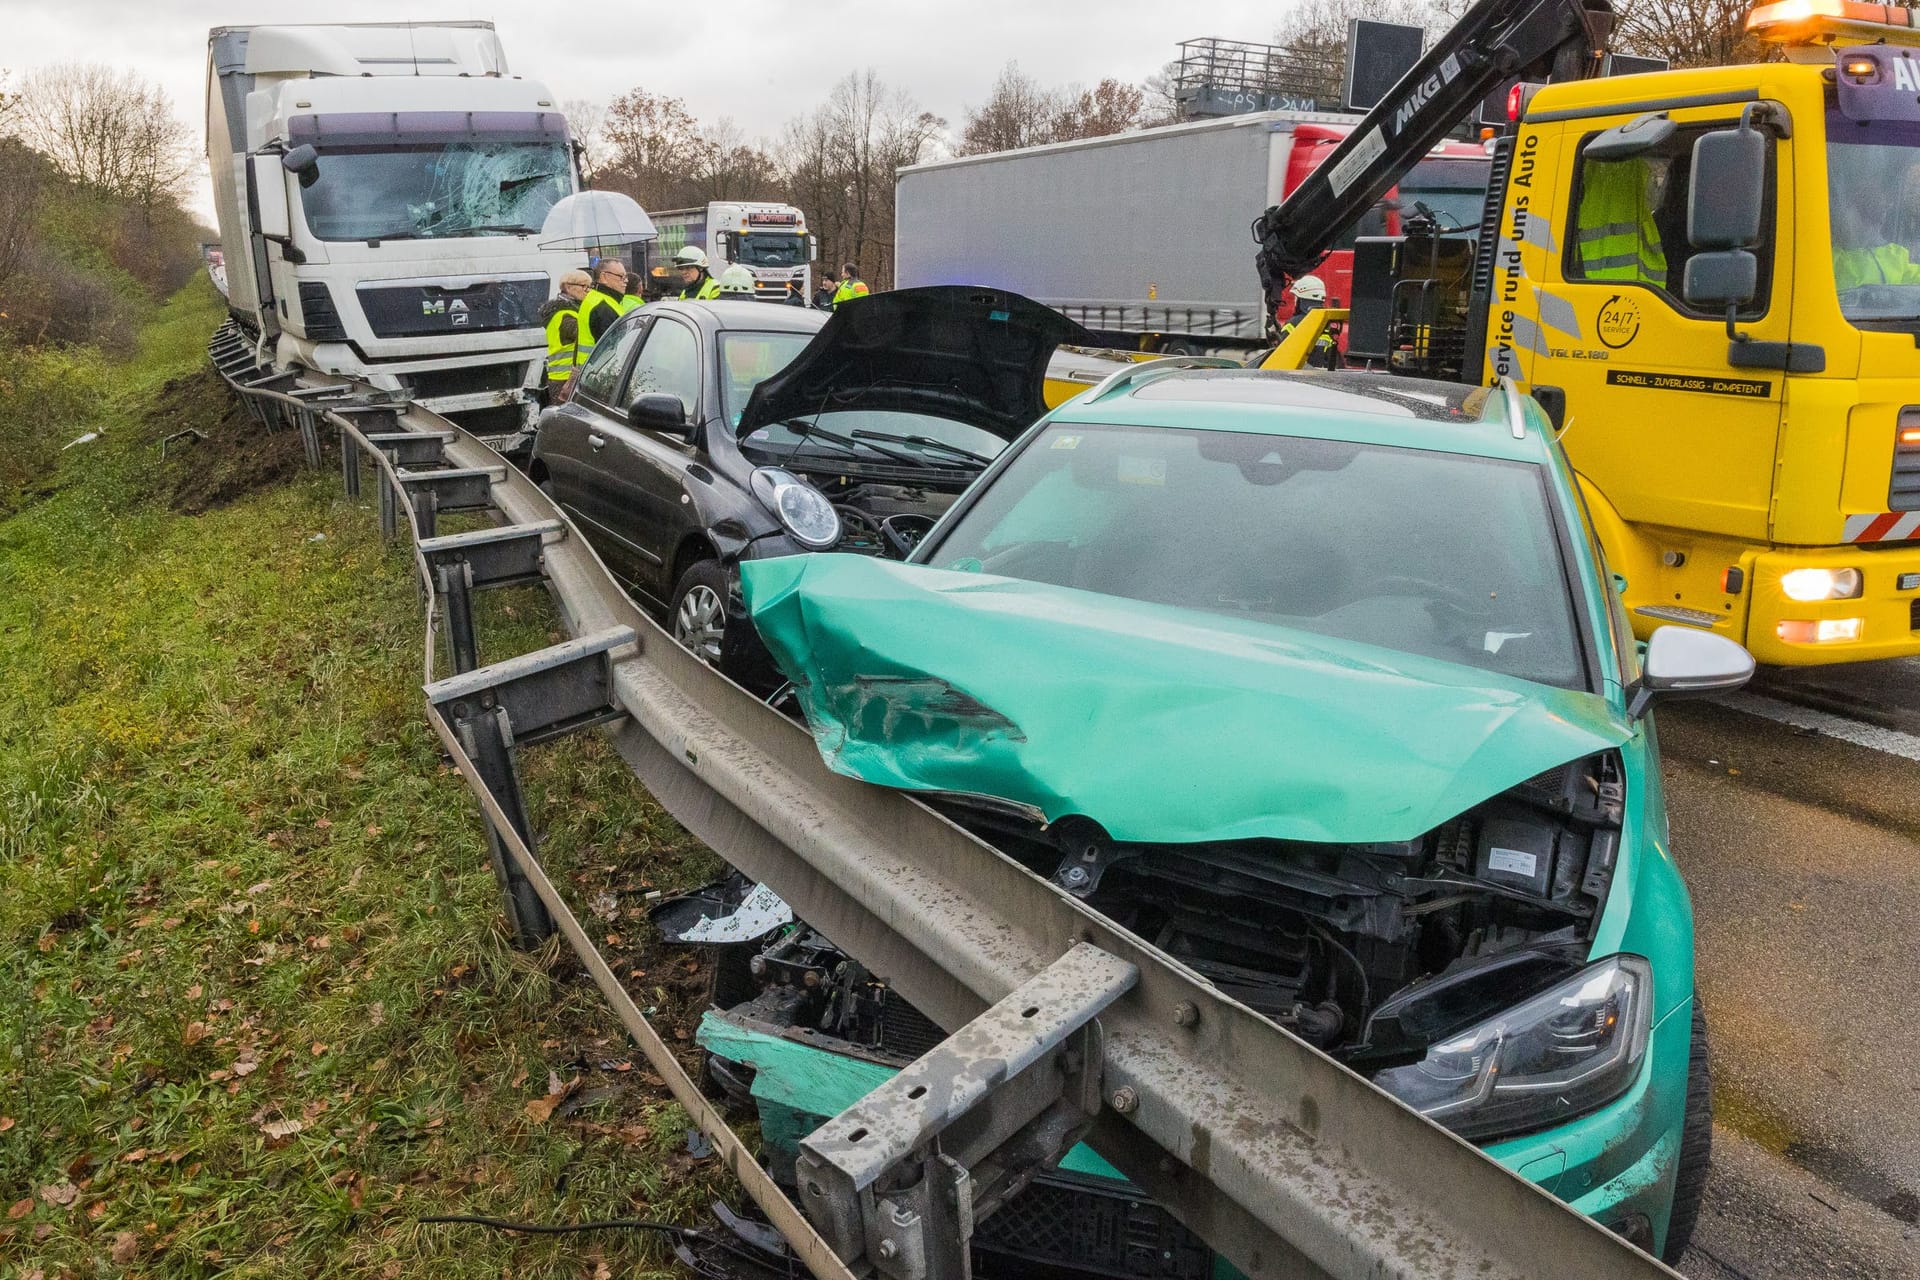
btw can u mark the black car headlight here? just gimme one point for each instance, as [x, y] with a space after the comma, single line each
[1555, 1056]
[803, 511]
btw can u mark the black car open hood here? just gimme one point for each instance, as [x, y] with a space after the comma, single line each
[968, 353]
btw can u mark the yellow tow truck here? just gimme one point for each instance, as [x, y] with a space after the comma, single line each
[1709, 279]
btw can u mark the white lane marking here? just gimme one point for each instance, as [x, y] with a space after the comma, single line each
[1890, 741]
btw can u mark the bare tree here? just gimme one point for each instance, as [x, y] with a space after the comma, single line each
[1018, 112]
[1112, 106]
[837, 164]
[653, 144]
[109, 131]
[21, 175]
[1688, 33]
[728, 167]
[586, 118]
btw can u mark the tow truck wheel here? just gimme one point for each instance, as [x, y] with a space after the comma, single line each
[1696, 1142]
[699, 610]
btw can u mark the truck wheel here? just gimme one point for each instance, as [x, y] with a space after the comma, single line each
[698, 612]
[1696, 1143]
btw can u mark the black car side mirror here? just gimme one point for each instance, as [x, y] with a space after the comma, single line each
[659, 411]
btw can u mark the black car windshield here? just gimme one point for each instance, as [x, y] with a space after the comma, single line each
[749, 358]
[1443, 555]
[434, 190]
[770, 248]
[1873, 192]
[941, 442]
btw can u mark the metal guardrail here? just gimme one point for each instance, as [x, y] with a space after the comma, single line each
[1283, 1161]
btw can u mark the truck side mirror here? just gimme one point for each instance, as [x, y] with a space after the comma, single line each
[302, 160]
[1728, 278]
[1682, 663]
[1728, 191]
[270, 198]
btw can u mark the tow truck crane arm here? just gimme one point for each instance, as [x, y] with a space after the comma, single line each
[1494, 41]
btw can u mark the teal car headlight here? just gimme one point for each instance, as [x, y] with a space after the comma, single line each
[1555, 1056]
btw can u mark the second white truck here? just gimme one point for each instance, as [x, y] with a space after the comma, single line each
[380, 190]
[768, 239]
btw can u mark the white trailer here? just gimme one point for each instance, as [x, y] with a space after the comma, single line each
[768, 238]
[380, 189]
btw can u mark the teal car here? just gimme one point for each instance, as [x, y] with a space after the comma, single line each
[1318, 682]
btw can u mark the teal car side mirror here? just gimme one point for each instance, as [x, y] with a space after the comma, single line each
[1684, 663]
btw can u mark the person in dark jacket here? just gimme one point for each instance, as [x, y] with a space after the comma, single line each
[824, 291]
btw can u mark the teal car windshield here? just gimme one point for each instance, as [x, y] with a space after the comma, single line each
[1448, 556]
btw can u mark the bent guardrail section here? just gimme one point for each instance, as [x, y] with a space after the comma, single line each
[1282, 1160]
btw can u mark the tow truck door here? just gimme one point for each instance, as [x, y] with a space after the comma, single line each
[1657, 419]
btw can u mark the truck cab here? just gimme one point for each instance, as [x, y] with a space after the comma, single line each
[1759, 477]
[380, 190]
[768, 238]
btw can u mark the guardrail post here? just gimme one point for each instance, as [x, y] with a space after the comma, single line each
[349, 463]
[309, 437]
[484, 735]
[456, 591]
[389, 521]
[426, 507]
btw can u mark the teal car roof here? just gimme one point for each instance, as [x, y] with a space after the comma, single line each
[1381, 409]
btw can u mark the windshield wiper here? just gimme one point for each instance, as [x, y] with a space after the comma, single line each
[811, 430]
[485, 227]
[925, 442]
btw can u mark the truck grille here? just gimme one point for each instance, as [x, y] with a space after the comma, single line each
[1903, 492]
[1913, 615]
[1085, 1226]
[420, 310]
[430, 384]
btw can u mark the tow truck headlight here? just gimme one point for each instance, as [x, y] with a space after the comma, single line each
[802, 510]
[1821, 631]
[1807, 585]
[1559, 1055]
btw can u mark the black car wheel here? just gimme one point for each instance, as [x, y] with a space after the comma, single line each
[1696, 1142]
[699, 610]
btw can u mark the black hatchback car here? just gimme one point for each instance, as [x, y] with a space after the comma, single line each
[702, 434]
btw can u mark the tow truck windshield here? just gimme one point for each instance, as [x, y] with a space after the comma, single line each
[1873, 190]
[434, 191]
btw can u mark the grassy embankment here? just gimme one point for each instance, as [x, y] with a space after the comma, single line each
[256, 1010]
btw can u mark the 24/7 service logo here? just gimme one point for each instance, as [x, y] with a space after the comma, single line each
[1619, 321]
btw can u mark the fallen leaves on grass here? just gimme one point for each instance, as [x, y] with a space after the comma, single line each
[20, 1208]
[194, 1034]
[540, 1110]
[282, 1128]
[126, 1247]
[60, 1193]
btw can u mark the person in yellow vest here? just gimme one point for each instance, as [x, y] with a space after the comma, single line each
[1863, 253]
[562, 319]
[851, 285]
[695, 284]
[604, 303]
[1615, 235]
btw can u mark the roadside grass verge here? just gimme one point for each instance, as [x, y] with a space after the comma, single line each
[257, 1012]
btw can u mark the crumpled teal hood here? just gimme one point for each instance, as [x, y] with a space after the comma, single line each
[1162, 724]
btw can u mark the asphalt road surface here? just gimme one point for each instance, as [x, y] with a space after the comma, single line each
[1799, 833]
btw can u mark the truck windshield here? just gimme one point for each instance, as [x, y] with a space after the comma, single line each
[770, 248]
[1873, 192]
[434, 190]
[1456, 191]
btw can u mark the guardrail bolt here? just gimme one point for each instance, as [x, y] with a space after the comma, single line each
[888, 1249]
[1185, 1014]
[1076, 876]
[1125, 1099]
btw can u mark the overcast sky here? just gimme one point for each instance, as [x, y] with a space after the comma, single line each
[760, 63]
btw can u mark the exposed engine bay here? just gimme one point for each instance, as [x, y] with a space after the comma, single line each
[881, 518]
[1371, 952]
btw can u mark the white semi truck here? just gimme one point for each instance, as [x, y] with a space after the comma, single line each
[380, 189]
[769, 239]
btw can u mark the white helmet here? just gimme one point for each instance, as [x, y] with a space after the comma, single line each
[1310, 289]
[691, 256]
[736, 279]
